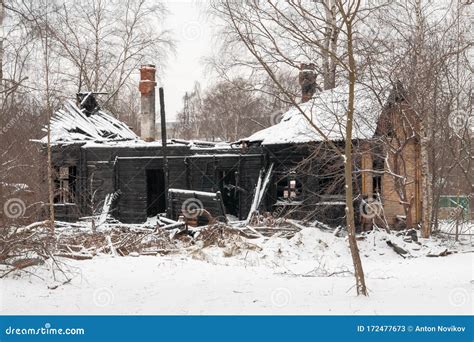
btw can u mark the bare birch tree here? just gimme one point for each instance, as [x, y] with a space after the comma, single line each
[424, 126]
[2, 15]
[99, 45]
[47, 57]
[278, 34]
[349, 15]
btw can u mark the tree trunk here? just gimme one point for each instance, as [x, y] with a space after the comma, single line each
[350, 222]
[50, 177]
[330, 45]
[425, 116]
[45, 38]
[2, 13]
[425, 182]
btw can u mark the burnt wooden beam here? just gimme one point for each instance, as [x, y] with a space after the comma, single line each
[164, 142]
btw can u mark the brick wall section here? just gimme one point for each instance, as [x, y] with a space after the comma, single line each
[367, 164]
[390, 196]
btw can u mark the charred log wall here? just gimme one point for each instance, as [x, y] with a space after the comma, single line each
[121, 170]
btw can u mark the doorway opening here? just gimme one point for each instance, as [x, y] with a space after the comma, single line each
[230, 191]
[155, 188]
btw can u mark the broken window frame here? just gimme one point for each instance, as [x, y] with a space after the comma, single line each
[289, 188]
[65, 185]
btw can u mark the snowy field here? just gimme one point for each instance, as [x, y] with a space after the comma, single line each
[310, 273]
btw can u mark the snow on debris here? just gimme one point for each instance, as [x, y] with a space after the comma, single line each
[327, 110]
[191, 192]
[310, 273]
[71, 124]
[311, 246]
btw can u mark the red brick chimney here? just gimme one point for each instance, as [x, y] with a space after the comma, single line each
[148, 114]
[307, 80]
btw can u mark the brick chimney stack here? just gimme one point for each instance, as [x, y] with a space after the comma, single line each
[148, 114]
[307, 80]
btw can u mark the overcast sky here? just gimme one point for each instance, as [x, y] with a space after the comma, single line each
[193, 34]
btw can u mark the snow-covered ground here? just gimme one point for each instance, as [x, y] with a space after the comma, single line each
[308, 274]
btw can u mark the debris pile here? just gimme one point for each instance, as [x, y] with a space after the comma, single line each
[117, 242]
[22, 247]
[267, 240]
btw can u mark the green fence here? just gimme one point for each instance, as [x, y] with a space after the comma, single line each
[455, 202]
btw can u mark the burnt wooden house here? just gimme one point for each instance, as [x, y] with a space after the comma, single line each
[133, 173]
[99, 162]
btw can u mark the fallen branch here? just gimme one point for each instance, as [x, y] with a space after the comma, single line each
[74, 256]
[399, 250]
[31, 226]
[54, 287]
[111, 246]
[445, 252]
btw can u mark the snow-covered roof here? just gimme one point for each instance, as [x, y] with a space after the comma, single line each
[327, 110]
[70, 124]
[193, 145]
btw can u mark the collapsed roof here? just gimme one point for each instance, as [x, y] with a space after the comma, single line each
[327, 111]
[72, 125]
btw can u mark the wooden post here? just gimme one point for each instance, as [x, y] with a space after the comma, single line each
[164, 143]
